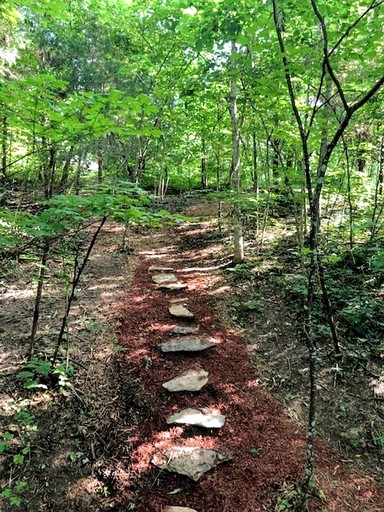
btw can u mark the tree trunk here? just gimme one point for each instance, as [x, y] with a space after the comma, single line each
[204, 175]
[66, 167]
[381, 169]
[78, 173]
[39, 293]
[218, 171]
[78, 271]
[238, 241]
[100, 166]
[4, 155]
[255, 174]
[49, 173]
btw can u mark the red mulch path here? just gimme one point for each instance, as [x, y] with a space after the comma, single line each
[255, 420]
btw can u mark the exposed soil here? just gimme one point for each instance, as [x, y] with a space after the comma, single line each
[95, 452]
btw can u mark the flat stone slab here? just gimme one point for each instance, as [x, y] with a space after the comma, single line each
[180, 311]
[180, 329]
[179, 509]
[191, 380]
[190, 461]
[198, 417]
[164, 278]
[188, 344]
[173, 287]
[161, 269]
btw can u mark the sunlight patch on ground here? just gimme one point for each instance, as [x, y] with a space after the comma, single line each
[200, 269]
[378, 386]
[104, 353]
[102, 287]
[161, 327]
[14, 294]
[165, 440]
[138, 299]
[221, 290]
[138, 353]
[10, 406]
[251, 347]
[84, 488]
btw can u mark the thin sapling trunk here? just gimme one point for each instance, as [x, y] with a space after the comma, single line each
[78, 271]
[39, 293]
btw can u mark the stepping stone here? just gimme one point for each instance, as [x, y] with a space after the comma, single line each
[190, 461]
[179, 509]
[191, 344]
[164, 278]
[160, 269]
[180, 311]
[173, 286]
[191, 380]
[198, 417]
[180, 329]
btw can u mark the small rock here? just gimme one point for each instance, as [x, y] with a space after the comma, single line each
[180, 312]
[191, 344]
[179, 509]
[173, 287]
[160, 269]
[180, 329]
[191, 380]
[164, 278]
[190, 461]
[198, 417]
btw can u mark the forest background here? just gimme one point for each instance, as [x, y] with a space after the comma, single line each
[274, 108]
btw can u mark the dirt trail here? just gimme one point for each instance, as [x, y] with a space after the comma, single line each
[268, 447]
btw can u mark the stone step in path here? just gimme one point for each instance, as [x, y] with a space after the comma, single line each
[179, 311]
[198, 418]
[179, 509]
[180, 329]
[191, 380]
[164, 278]
[192, 462]
[188, 344]
[173, 287]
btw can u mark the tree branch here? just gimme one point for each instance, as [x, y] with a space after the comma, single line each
[373, 5]
[303, 135]
[368, 95]
[326, 55]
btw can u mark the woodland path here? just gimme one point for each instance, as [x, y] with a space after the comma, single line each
[267, 447]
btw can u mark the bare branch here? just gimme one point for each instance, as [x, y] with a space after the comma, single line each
[373, 5]
[303, 135]
[326, 55]
[344, 123]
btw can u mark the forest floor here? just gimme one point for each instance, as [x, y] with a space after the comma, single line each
[93, 447]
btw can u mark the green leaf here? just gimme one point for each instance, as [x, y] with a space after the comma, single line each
[33, 384]
[15, 501]
[6, 493]
[20, 486]
[18, 459]
[25, 374]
